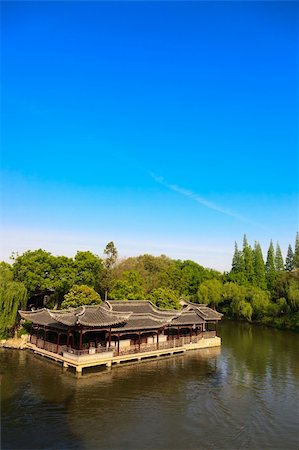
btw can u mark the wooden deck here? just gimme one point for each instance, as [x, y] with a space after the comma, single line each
[80, 361]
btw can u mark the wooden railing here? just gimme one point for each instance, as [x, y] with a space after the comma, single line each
[48, 346]
[173, 342]
[89, 351]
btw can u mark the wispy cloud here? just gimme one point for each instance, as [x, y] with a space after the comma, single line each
[201, 200]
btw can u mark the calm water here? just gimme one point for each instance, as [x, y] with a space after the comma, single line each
[242, 396]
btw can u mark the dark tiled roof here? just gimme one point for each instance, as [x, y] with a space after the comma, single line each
[142, 322]
[67, 317]
[84, 315]
[187, 318]
[205, 312]
[123, 315]
[41, 317]
[140, 307]
[99, 316]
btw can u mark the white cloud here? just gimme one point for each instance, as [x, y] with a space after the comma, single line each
[201, 200]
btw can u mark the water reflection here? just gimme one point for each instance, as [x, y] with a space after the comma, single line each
[243, 395]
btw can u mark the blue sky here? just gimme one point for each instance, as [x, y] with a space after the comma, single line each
[167, 127]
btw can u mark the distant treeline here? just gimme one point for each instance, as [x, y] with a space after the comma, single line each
[254, 290]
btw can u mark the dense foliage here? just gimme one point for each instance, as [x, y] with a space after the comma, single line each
[266, 292]
[254, 289]
[13, 296]
[79, 296]
[40, 270]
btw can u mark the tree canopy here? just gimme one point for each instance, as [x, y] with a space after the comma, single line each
[252, 290]
[80, 296]
[13, 296]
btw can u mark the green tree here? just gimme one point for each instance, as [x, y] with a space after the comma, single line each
[279, 264]
[13, 296]
[270, 267]
[89, 269]
[110, 259]
[293, 293]
[209, 292]
[259, 266]
[238, 261]
[35, 270]
[129, 287]
[40, 270]
[248, 260]
[232, 296]
[289, 265]
[80, 296]
[165, 298]
[259, 300]
[296, 252]
[245, 310]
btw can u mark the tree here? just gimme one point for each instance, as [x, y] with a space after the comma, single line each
[279, 265]
[296, 252]
[238, 261]
[248, 260]
[129, 287]
[79, 296]
[110, 259]
[111, 255]
[270, 267]
[165, 298]
[259, 301]
[13, 296]
[209, 292]
[293, 293]
[289, 265]
[89, 268]
[35, 270]
[232, 296]
[40, 270]
[259, 266]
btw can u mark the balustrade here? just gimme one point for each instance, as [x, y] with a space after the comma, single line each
[173, 342]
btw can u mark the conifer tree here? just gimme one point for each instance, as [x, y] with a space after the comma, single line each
[238, 260]
[270, 267]
[289, 265]
[248, 260]
[279, 265]
[259, 266]
[296, 252]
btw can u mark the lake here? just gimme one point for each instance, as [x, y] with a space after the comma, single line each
[243, 395]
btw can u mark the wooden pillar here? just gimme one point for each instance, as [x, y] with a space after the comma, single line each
[58, 339]
[158, 339]
[31, 330]
[109, 337]
[45, 334]
[118, 344]
[80, 339]
[178, 332]
[139, 341]
[190, 334]
[68, 338]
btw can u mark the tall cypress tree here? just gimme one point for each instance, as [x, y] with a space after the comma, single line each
[296, 252]
[270, 267]
[289, 265]
[238, 261]
[248, 260]
[259, 266]
[279, 265]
